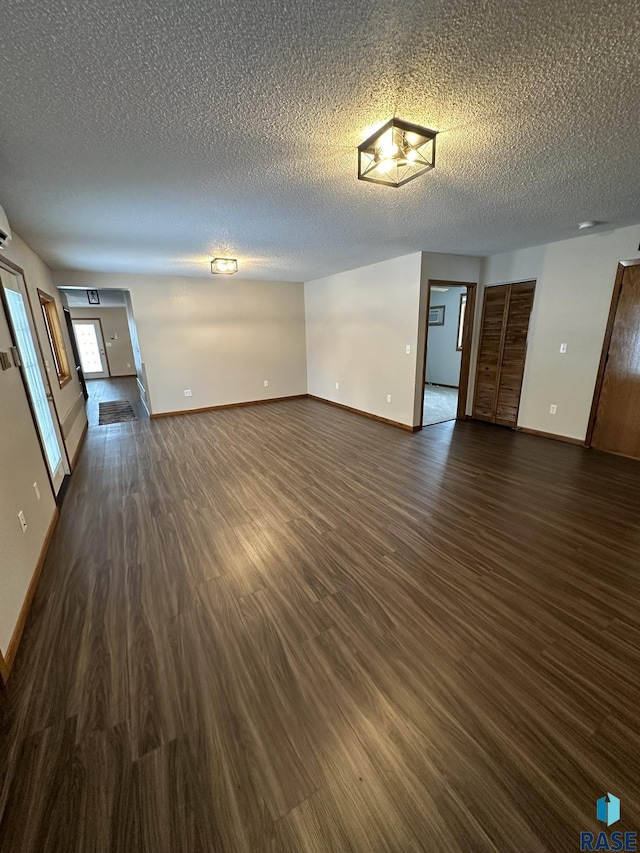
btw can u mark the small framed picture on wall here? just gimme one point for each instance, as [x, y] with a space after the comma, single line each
[94, 297]
[436, 315]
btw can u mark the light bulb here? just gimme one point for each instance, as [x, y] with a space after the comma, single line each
[386, 165]
[387, 152]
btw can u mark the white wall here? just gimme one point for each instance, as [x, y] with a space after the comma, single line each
[137, 357]
[220, 337]
[21, 465]
[21, 460]
[443, 358]
[37, 275]
[573, 294]
[358, 324]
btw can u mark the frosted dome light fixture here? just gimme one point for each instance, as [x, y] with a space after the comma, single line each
[224, 266]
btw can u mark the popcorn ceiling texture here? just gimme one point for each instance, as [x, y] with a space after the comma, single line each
[149, 136]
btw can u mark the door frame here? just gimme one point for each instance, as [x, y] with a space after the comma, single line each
[74, 350]
[467, 341]
[604, 356]
[9, 266]
[4, 671]
[99, 322]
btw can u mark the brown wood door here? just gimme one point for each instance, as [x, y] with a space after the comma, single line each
[502, 352]
[514, 351]
[617, 421]
[489, 352]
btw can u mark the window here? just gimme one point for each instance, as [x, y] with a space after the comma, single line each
[463, 309]
[54, 332]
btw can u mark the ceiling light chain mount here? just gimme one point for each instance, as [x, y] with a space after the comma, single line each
[397, 153]
[224, 266]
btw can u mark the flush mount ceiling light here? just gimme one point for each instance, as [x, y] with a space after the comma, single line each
[397, 153]
[224, 266]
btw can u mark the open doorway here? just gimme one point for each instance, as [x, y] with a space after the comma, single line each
[108, 353]
[448, 336]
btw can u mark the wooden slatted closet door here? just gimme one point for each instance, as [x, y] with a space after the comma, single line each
[502, 352]
[617, 427]
[514, 351]
[490, 352]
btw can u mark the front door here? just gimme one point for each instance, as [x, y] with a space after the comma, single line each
[91, 347]
[34, 376]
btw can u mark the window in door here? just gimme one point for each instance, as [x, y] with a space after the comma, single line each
[56, 341]
[89, 347]
[35, 384]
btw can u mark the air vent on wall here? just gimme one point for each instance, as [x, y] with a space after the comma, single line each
[5, 231]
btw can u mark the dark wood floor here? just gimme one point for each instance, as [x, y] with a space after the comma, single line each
[289, 628]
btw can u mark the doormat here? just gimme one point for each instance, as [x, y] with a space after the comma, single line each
[115, 412]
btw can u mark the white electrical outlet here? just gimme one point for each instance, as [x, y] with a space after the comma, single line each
[187, 392]
[563, 348]
[23, 521]
[553, 409]
[388, 398]
[36, 490]
[337, 386]
[407, 349]
[266, 383]
[128, 365]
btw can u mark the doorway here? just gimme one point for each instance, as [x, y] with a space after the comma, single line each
[35, 379]
[450, 312]
[106, 329]
[614, 425]
[93, 354]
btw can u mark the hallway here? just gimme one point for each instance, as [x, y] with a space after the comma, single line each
[106, 390]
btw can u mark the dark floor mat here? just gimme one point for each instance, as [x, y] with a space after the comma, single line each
[115, 412]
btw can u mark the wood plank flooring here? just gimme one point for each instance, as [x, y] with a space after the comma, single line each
[290, 628]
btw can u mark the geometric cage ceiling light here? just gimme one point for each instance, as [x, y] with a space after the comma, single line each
[397, 153]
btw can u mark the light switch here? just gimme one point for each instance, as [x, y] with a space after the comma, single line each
[563, 348]
[407, 349]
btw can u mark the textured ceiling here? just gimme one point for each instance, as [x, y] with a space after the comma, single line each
[148, 136]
